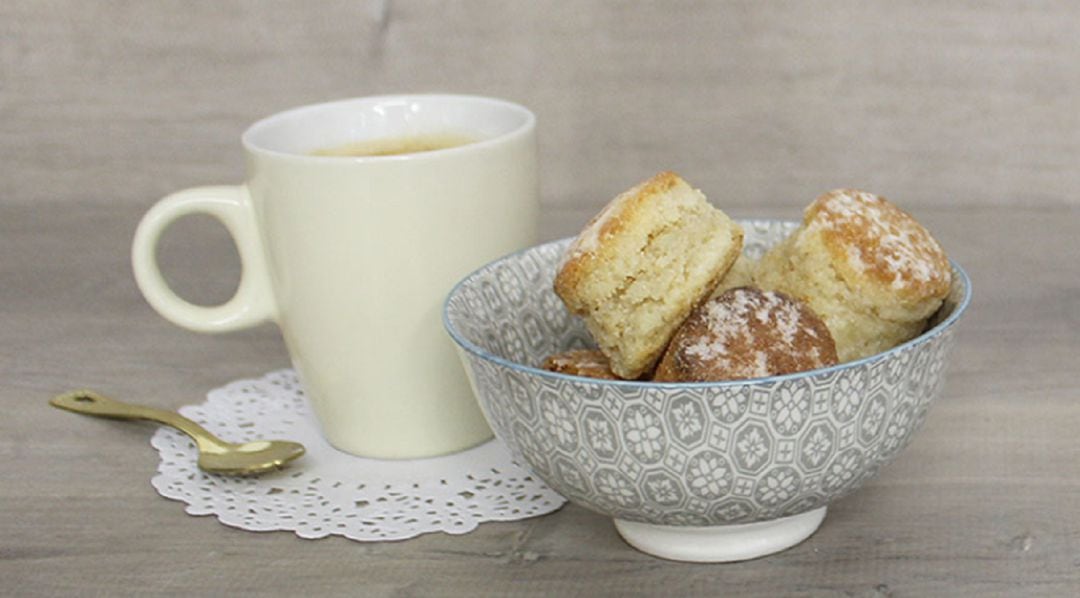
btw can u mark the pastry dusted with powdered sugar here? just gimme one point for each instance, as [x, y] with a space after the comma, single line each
[870, 270]
[746, 333]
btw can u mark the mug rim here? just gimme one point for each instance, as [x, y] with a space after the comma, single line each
[528, 124]
[476, 351]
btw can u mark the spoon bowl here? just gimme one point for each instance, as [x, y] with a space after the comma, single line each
[215, 455]
[251, 457]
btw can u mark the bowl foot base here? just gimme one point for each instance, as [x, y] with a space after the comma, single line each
[720, 543]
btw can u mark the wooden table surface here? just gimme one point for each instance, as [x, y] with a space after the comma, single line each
[963, 112]
[985, 501]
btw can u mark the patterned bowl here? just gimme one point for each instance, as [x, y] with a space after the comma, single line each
[714, 471]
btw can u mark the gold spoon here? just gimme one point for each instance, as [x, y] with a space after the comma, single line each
[215, 455]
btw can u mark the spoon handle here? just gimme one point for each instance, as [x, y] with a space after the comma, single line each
[88, 402]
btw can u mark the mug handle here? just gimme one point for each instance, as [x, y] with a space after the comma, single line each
[253, 302]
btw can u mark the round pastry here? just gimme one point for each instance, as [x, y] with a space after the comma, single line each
[869, 269]
[639, 267]
[589, 363]
[746, 333]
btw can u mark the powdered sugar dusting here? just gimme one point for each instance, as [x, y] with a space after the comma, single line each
[747, 333]
[725, 319]
[706, 348]
[855, 258]
[745, 330]
[592, 236]
[589, 239]
[761, 364]
[879, 237]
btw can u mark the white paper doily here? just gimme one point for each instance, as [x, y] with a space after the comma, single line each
[328, 492]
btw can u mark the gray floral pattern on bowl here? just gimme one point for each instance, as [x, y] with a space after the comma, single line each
[698, 454]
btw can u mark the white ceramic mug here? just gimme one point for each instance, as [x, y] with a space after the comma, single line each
[353, 256]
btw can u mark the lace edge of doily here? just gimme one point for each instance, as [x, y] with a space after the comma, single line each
[163, 483]
[160, 484]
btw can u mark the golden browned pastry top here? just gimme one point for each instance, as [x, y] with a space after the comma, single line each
[639, 267]
[871, 239]
[747, 333]
[605, 222]
[589, 363]
[610, 221]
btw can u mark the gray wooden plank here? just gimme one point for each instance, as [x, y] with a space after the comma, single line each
[982, 502]
[961, 103]
[963, 112]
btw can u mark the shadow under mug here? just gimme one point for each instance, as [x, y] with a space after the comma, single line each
[351, 256]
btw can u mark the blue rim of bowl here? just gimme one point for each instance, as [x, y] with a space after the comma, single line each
[475, 350]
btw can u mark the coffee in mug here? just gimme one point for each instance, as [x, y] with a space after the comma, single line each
[397, 145]
[351, 254]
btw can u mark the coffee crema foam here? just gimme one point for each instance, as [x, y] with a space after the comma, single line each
[393, 146]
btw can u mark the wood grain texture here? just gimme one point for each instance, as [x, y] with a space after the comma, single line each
[984, 501]
[963, 112]
[757, 103]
